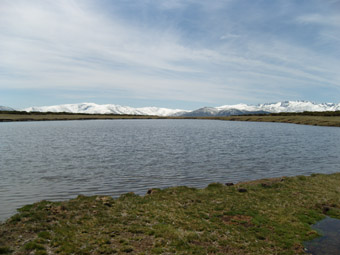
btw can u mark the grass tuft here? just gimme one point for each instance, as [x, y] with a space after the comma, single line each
[5, 250]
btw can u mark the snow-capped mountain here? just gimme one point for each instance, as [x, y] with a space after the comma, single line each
[286, 106]
[5, 108]
[105, 109]
[216, 111]
[225, 110]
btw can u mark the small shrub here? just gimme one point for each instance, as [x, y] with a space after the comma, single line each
[127, 249]
[41, 252]
[30, 246]
[302, 177]
[26, 208]
[5, 250]
[15, 218]
[44, 235]
[215, 185]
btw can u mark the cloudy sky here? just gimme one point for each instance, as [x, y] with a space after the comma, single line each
[168, 53]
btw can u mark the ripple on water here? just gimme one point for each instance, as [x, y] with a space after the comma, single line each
[57, 160]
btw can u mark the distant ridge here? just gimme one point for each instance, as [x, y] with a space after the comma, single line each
[5, 108]
[225, 110]
[242, 109]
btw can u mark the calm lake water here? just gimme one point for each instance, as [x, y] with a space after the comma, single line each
[57, 160]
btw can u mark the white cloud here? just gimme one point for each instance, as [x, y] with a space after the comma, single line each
[315, 18]
[65, 34]
[69, 45]
[329, 30]
[229, 36]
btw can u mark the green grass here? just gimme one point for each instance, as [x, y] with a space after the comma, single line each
[272, 216]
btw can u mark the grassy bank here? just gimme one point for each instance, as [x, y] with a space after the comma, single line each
[270, 216]
[332, 121]
[24, 116]
[306, 118]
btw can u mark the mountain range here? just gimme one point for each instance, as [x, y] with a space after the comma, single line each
[105, 109]
[226, 110]
[242, 109]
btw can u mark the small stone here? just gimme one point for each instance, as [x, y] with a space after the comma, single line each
[242, 190]
[151, 191]
[229, 184]
[325, 209]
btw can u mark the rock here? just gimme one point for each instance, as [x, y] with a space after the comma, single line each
[229, 184]
[242, 190]
[150, 191]
[106, 200]
[325, 209]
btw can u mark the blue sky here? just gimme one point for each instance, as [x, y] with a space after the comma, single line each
[176, 53]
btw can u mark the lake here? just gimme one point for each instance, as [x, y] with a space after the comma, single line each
[58, 160]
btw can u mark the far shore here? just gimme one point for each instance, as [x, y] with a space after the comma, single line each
[307, 118]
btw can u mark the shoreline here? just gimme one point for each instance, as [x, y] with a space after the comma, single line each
[235, 184]
[299, 118]
[264, 216]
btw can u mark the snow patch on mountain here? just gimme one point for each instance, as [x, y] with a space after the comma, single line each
[93, 108]
[242, 109]
[286, 106]
[225, 110]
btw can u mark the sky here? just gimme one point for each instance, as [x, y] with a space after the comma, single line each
[182, 54]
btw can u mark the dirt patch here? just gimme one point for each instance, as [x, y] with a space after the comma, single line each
[243, 220]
